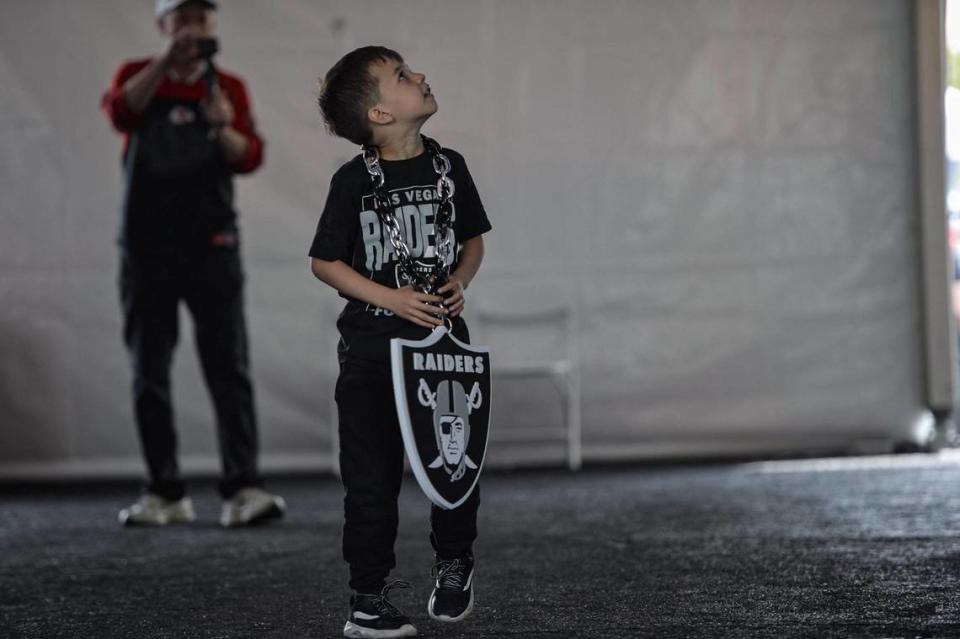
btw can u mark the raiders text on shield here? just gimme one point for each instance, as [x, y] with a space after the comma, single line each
[442, 391]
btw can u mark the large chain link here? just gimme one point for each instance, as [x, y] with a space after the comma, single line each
[442, 236]
[445, 190]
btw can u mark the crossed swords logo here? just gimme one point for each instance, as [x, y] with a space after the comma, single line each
[428, 399]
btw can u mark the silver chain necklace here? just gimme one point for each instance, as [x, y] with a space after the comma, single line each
[425, 283]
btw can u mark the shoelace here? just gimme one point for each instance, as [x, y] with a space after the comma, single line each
[385, 607]
[448, 574]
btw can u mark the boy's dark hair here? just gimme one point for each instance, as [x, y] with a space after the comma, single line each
[348, 91]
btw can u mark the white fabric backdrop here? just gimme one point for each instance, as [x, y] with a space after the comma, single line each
[722, 190]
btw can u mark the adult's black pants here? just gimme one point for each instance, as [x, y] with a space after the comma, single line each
[371, 467]
[211, 286]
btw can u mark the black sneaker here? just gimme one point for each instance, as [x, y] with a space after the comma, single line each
[452, 597]
[374, 616]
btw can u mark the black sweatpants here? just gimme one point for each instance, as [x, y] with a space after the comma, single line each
[371, 467]
[211, 285]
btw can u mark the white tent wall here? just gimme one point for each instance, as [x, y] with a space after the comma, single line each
[724, 192]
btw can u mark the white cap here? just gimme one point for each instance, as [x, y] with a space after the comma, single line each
[166, 6]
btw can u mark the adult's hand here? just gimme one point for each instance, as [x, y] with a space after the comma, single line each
[218, 109]
[182, 49]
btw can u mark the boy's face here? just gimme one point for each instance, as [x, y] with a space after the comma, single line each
[405, 97]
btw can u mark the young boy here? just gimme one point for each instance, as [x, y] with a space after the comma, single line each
[372, 98]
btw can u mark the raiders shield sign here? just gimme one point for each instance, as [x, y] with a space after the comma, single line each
[442, 390]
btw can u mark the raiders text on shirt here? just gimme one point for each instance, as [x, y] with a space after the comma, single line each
[415, 209]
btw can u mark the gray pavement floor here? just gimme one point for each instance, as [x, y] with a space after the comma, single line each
[779, 549]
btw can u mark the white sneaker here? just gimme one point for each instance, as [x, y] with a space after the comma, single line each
[251, 506]
[154, 510]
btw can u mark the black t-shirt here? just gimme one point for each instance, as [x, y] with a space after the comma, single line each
[350, 231]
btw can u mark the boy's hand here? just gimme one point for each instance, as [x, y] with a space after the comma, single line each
[418, 308]
[452, 292]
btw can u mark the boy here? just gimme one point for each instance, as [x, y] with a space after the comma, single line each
[188, 129]
[372, 98]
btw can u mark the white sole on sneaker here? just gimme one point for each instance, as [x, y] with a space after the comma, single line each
[275, 510]
[266, 508]
[445, 618]
[353, 631]
[178, 512]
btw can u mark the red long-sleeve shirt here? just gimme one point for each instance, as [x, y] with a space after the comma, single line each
[125, 120]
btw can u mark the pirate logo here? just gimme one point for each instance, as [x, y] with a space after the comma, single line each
[425, 265]
[451, 422]
[444, 426]
[423, 268]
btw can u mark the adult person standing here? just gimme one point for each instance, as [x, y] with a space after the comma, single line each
[187, 128]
